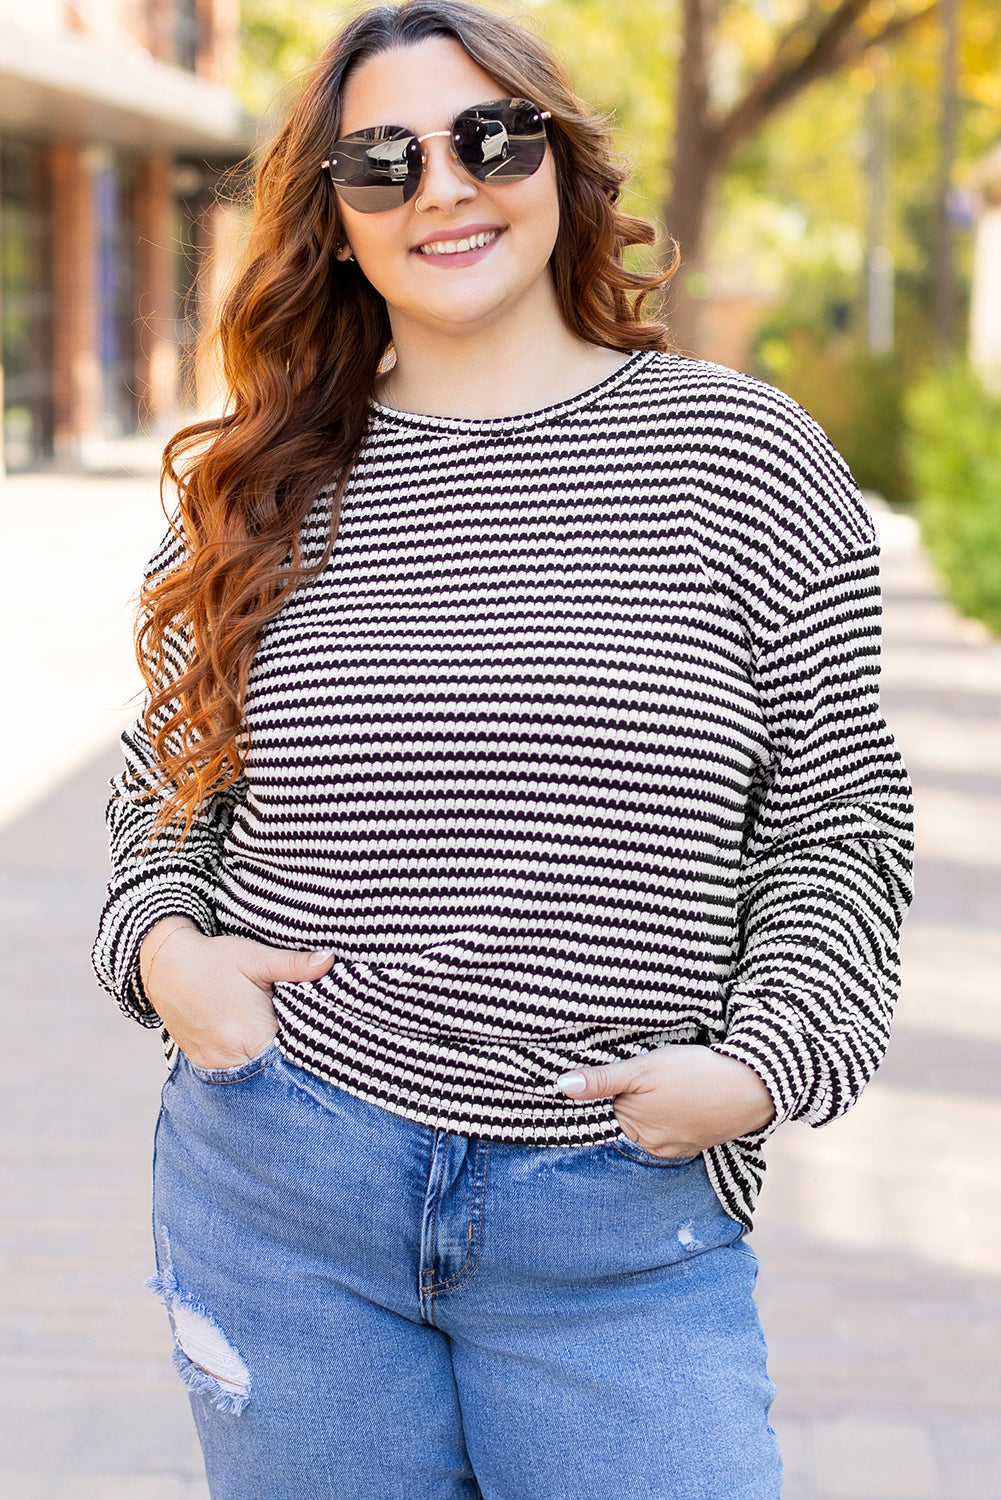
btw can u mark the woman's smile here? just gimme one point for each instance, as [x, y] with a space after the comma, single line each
[459, 248]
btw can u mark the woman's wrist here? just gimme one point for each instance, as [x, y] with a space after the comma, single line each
[156, 938]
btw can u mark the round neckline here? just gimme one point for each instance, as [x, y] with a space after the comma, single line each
[636, 360]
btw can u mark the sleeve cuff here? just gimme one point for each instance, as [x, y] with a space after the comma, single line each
[780, 1055]
[125, 922]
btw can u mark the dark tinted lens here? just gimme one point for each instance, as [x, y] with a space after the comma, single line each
[500, 142]
[376, 169]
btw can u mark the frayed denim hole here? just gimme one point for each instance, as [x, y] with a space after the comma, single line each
[203, 1356]
[226, 1400]
[688, 1239]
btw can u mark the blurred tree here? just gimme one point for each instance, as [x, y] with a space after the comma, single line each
[807, 171]
[945, 275]
[742, 61]
[279, 39]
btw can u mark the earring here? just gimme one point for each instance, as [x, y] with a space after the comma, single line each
[343, 252]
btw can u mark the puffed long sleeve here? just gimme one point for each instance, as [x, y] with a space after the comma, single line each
[153, 877]
[826, 873]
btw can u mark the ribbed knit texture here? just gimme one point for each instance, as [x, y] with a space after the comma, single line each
[573, 749]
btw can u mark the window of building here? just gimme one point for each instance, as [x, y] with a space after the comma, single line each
[187, 34]
[115, 267]
[26, 301]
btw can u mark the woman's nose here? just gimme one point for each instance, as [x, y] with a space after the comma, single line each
[444, 184]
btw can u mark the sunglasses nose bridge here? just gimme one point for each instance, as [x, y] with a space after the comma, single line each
[432, 135]
[453, 155]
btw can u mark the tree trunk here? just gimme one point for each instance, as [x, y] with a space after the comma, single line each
[945, 274]
[695, 166]
[704, 143]
[687, 217]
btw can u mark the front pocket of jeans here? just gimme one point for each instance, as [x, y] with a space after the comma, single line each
[637, 1153]
[241, 1071]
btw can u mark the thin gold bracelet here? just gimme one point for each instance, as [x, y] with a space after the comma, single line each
[152, 961]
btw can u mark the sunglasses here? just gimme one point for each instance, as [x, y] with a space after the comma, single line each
[381, 168]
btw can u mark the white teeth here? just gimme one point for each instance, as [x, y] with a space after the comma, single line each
[455, 247]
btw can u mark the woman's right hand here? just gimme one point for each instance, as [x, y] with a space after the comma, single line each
[213, 994]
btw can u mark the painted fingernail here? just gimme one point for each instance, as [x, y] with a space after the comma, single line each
[572, 1083]
[318, 957]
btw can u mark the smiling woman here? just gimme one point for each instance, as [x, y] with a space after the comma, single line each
[511, 838]
[437, 285]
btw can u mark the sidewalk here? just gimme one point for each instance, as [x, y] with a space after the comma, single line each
[879, 1237]
[90, 1408]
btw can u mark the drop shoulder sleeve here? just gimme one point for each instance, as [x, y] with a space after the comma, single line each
[153, 877]
[826, 872]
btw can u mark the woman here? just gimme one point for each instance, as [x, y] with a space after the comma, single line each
[511, 840]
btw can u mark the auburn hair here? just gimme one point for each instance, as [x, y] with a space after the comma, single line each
[302, 334]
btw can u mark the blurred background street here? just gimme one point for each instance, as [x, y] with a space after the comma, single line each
[832, 172]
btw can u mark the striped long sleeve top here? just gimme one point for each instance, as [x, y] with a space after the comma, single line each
[572, 750]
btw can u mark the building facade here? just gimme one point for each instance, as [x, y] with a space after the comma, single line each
[117, 122]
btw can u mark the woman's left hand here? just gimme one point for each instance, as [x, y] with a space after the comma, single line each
[678, 1099]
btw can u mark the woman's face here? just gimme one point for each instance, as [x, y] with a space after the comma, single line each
[423, 88]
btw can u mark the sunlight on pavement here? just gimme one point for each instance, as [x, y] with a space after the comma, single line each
[917, 1169]
[905, 1170]
[880, 1234]
[971, 1006]
[66, 612]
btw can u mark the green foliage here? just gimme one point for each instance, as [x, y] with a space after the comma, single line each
[806, 349]
[810, 162]
[953, 447]
[279, 40]
[621, 58]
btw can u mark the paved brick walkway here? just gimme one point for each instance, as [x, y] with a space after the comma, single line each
[881, 1288]
[90, 1407]
[880, 1236]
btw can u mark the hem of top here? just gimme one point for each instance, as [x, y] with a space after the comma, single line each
[733, 1197]
[527, 1125]
[637, 360]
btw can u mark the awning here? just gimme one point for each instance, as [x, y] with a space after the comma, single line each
[65, 86]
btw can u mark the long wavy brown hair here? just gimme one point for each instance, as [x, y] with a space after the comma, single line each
[302, 334]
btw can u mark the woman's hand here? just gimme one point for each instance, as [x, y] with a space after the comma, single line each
[213, 994]
[679, 1099]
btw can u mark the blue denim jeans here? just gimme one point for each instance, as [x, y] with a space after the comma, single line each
[374, 1310]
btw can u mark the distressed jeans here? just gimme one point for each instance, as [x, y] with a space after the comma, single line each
[375, 1310]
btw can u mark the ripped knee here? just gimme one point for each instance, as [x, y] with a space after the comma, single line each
[203, 1356]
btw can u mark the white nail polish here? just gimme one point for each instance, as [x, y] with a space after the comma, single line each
[572, 1083]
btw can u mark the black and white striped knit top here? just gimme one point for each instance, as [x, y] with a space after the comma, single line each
[573, 749]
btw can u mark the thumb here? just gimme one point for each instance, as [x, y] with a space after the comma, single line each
[276, 964]
[598, 1083]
